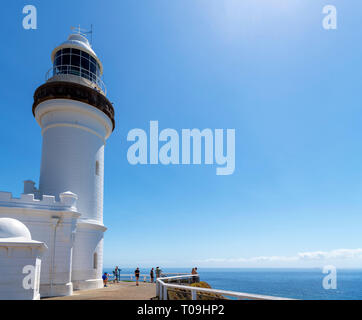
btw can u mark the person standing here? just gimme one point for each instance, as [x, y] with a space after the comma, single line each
[119, 274]
[158, 272]
[116, 271]
[137, 275]
[193, 273]
[152, 275]
[114, 276]
[195, 277]
[105, 279]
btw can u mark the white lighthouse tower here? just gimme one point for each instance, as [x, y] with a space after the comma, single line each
[76, 119]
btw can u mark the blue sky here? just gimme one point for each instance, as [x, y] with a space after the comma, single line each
[290, 89]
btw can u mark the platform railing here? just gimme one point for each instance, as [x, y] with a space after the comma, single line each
[163, 286]
[128, 277]
[145, 277]
[77, 72]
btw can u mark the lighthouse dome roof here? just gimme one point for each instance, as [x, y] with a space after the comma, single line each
[13, 229]
[78, 41]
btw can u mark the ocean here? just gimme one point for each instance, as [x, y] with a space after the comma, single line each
[303, 284]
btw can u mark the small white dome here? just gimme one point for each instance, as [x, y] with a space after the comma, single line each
[78, 40]
[11, 228]
[79, 37]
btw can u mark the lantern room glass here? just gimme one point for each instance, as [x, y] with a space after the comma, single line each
[76, 62]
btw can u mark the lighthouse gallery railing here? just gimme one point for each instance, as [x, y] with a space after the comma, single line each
[78, 72]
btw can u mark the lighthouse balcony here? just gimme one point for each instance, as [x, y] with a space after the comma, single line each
[78, 75]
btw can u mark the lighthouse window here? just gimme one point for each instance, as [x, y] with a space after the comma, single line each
[97, 168]
[58, 61]
[85, 63]
[85, 55]
[85, 74]
[76, 51]
[76, 62]
[95, 260]
[66, 59]
[93, 68]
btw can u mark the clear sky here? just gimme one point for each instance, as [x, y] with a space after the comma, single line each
[267, 68]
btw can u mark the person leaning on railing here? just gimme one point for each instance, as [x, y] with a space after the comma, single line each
[158, 272]
[196, 277]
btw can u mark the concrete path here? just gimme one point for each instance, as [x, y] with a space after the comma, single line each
[118, 291]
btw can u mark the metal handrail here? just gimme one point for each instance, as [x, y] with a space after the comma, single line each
[77, 72]
[112, 277]
[165, 275]
[161, 290]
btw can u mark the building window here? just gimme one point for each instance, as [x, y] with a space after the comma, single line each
[97, 168]
[95, 260]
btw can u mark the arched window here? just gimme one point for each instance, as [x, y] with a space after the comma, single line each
[97, 168]
[95, 260]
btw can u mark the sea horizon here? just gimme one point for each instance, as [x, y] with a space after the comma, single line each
[295, 283]
[233, 268]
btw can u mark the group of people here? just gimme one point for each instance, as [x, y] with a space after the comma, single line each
[117, 275]
[153, 272]
[152, 275]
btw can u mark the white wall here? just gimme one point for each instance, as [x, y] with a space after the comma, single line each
[74, 135]
[88, 241]
[13, 259]
[69, 164]
[41, 224]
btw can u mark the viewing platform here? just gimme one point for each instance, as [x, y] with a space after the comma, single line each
[181, 287]
[115, 291]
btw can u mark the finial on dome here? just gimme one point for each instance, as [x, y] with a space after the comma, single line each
[82, 32]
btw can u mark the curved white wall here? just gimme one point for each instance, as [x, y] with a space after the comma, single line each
[74, 135]
[86, 270]
[69, 164]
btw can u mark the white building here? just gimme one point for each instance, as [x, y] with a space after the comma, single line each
[66, 211]
[20, 262]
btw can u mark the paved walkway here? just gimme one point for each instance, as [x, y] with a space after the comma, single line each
[118, 291]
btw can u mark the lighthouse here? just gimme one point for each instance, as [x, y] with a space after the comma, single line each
[76, 119]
